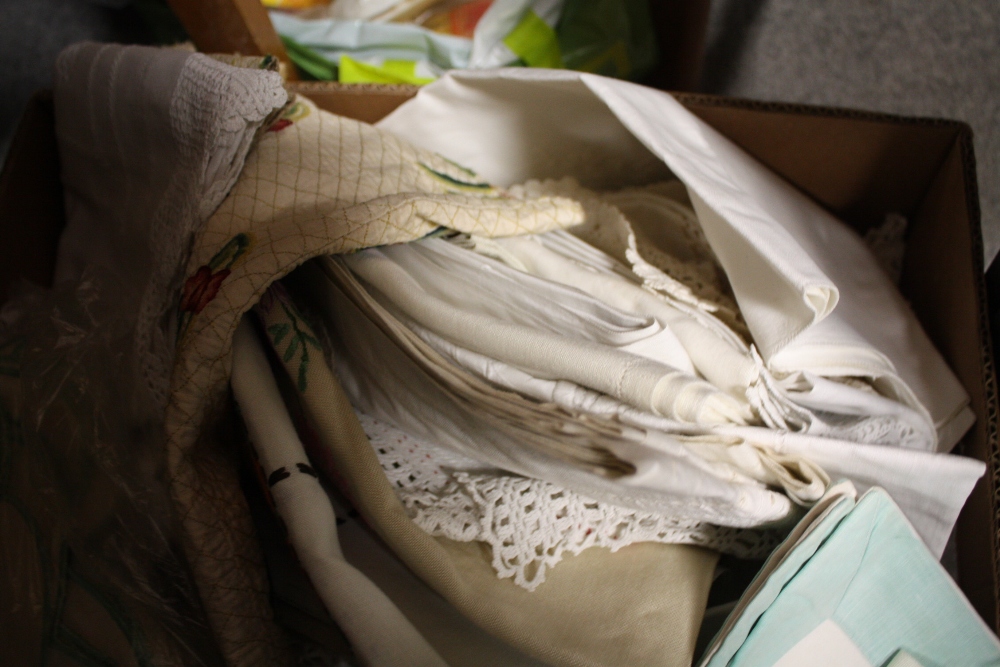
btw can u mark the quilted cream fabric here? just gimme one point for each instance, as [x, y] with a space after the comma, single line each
[317, 184]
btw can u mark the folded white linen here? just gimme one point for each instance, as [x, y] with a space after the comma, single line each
[717, 354]
[425, 292]
[796, 402]
[793, 267]
[806, 283]
[391, 374]
[855, 412]
[378, 632]
[804, 485]
[891, 349]
[931, 488]
[478, 285]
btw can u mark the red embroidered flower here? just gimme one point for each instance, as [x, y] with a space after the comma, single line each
[201, 288]
[279, 125]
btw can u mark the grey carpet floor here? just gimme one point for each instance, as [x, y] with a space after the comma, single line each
[913, 57]
[33, 32]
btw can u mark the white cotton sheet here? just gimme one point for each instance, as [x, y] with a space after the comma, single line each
[797, 402]
[378, 632]
[805, 283]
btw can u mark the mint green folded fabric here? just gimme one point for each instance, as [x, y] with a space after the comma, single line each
[859, 589]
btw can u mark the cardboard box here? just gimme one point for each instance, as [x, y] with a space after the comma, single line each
[858, 165]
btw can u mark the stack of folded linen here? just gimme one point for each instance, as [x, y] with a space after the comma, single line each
[588, 387]
[544, 358]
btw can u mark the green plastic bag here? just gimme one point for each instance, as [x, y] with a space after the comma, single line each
[609, 37]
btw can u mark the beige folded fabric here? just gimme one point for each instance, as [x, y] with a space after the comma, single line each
[639, 606]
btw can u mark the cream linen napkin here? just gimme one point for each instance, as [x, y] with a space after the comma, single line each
[379, 634]
[522, 335]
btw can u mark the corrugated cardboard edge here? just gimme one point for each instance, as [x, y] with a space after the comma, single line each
[364, 102]
[703, 99]
[987, 360]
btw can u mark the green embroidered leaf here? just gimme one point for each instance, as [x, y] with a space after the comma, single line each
[303, 369]
[182, 323]
[288, 308]
[456, 183]
[458, 166]
[229, 252]
[292, 347]
[278, 332]
[294, 328]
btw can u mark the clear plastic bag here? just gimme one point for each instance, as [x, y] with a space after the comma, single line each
[93, 566]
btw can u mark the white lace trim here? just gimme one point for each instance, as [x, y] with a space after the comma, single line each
[697, 280]
[530, 525]
[880, 430]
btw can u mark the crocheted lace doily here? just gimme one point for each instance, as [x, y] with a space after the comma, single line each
[689, 272]
[529, 524]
